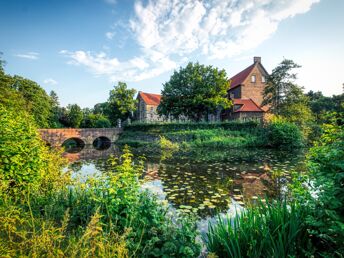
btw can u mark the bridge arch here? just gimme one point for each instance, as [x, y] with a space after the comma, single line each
[101, 143]
[73, 144]
[56, 137]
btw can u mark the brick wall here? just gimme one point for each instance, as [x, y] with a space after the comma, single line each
[254, 90]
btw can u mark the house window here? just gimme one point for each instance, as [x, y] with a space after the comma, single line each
[263, 78]
[152, 109]
[253, 78]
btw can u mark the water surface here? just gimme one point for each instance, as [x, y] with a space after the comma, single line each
[206, 181]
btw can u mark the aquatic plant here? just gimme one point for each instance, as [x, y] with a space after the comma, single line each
[274, 229]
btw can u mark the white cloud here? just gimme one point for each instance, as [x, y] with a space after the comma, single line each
[169, 31]
[50, 81]
[29, 55]
[110, 35]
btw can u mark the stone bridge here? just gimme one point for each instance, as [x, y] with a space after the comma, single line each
[56, 137]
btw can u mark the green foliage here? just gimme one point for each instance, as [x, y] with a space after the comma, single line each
[107, 216]
[284, 135]
[121, 102]
[279, 85]
[174, 126]
[326, 164]
[25, 161]
[275, 229]
[95, 121]
[74, 115]
[320, 105]
[194, 92]
[37, 100]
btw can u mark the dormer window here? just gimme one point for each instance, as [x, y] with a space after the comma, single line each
[253, 78]
[263, 78]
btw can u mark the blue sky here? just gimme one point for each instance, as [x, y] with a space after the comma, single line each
[81, 48]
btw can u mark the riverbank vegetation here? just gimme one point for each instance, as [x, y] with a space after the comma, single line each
[235, 134]
[44, 212]
[307, 223]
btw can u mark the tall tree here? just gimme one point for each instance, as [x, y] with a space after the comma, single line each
[194, 92]
[279, 84]
[37, 100]
[285, 98]
[121, 102]
[55, 113]
[75, 115]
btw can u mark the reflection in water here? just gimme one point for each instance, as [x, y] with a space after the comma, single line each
[73, 145]
[102, 143]
[207, 182]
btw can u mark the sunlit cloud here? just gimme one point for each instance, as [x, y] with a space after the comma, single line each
[169, 33]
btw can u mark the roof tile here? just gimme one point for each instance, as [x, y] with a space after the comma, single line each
[150, 99]
[247, 105]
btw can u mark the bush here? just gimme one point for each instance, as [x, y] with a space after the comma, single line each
[25, 161]
[283, 135]
[175, 126]
[326, 164]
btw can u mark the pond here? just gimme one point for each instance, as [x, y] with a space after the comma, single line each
[205, 181]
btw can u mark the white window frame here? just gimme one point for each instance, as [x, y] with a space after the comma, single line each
[263, 79]
[253, 78]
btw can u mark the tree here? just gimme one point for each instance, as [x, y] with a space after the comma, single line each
[321, 104]
[55, 111]
[102, 108]
[95, 121]
[75, 115]
[121, 102]
[194, 92]
[38, 101]
[279, 84]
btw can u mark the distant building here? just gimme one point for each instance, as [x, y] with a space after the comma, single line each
[147, 104]
[246, 92]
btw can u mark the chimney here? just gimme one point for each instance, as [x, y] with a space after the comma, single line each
[257, 59]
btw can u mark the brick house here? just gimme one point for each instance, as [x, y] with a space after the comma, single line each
[147, 104]
[246, 92]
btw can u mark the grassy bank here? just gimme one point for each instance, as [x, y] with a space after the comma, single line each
[233, 134]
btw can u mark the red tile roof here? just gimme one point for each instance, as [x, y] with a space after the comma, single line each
[247, 105]
[239, 78]
[150, 99]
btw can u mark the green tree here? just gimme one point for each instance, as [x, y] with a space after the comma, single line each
[75, 115]
[121, 102]
[95, 121]
[285, 98]
[55, 111]
[295, 108]
[279, 85]
[38, 101]
[321, 104]
[102, 108]
[194, 92]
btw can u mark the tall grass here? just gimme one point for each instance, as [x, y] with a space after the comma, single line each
[275, 229]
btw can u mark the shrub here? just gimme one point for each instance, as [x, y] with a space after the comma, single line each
[284, 135]
[25, 161]
[326, 165]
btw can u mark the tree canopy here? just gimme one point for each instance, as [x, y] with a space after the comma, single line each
[194, 92]
[121, 102]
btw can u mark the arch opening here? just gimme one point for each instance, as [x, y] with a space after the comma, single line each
[101, 143]
[73, 145]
